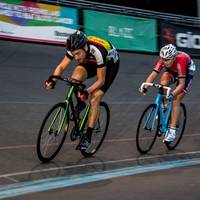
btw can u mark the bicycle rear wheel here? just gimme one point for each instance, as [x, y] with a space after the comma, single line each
[52, 132]
[146, 132]
[100, 130]
[180, 128]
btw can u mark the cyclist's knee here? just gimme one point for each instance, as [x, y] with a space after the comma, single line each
[166, 79]
[79, 74]
[78, 78]
[75, 80]
[96, 98]
[165, 82]
[177, 100]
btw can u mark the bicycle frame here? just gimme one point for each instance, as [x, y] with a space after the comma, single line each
[63, 118]
[164, 118]
[79, 126]
[156, 118]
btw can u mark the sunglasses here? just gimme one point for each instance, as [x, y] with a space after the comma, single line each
[165, 60]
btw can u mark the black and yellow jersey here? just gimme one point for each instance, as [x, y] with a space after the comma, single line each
[99, 51]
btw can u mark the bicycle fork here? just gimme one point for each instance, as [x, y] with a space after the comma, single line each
[62, 118]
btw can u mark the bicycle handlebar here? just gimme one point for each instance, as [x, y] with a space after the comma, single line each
[156, 85]
[80, 86]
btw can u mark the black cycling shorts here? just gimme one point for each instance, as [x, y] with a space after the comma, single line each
[111, 72]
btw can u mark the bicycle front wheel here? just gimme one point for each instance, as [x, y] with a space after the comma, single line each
[147, 129]
[99, 131]
[52, 132]
[180, 127]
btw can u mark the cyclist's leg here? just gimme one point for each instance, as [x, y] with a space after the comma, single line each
[97, 95]
[176, 109]
[175, 113]
[93, 115]
[177, 100]
[95, 99]
[82, 72]
[167, 79]
[79, 73]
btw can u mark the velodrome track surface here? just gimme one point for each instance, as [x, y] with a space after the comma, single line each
[24, 102]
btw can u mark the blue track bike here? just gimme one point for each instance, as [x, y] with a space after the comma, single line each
[155, 121]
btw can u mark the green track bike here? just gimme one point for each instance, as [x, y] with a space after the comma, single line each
[61, 116]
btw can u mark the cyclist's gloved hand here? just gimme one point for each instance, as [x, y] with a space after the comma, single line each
[170, 97]
[50, 83]
[143, 91]
[84, 95]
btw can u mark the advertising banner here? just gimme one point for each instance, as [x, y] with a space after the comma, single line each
[125, 32]
[185, 38]
[33, 21]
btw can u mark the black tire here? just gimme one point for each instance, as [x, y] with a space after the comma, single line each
[146, 137]
[48, 142]
[100, 130]
[180, 126]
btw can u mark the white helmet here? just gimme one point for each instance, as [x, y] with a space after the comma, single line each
[168, 52]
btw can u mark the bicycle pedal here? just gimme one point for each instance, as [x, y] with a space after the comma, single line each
[78, 147]
[159, 134]
[167, 143]
[76, 117]
[73, 135]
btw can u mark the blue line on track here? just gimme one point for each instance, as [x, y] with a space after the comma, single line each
[22, 188]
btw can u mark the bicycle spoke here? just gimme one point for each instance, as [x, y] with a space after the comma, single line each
[52, 133]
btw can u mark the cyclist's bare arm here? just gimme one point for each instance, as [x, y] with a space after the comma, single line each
[101, 74]
[59, 70]
[179, 87]
[62, 66]
[150, 79]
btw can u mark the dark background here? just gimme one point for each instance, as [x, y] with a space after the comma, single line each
[179, 7]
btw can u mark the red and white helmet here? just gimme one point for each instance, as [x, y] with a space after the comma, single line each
[168, 52]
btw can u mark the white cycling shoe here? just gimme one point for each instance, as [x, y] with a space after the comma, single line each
[170, 135]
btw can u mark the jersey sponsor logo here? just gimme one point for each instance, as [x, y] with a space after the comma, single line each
[192, 68]
[92, 51]
[97, 54]
[113, 54]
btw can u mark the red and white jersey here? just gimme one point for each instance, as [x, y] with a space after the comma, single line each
[181, 66]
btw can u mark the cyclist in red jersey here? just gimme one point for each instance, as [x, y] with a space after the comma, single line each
[179, 69]
[96, 57]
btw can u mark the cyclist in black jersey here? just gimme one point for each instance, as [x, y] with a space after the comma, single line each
[96, 57]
